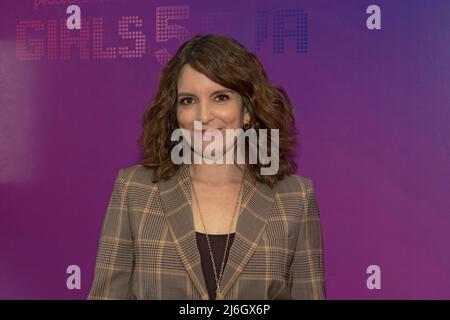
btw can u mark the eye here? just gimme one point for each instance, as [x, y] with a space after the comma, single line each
[222, 97]
[185, 101]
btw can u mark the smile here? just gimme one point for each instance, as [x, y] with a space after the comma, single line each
[208, 132]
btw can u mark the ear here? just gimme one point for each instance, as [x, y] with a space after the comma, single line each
[247, 117]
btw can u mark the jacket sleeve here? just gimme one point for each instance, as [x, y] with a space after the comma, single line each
[114, 262]
[307, 276]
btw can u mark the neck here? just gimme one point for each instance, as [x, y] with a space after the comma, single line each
[217, 174]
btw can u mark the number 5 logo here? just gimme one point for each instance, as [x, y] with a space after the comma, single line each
[166, 31]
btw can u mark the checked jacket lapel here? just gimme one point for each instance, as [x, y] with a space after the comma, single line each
[257, 204]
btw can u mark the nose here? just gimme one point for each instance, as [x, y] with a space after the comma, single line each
[204, 113]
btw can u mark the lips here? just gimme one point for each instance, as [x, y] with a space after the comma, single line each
[209, 131]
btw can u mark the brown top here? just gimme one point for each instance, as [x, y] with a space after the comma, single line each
[218, 242]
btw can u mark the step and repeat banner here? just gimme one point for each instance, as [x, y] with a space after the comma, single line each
[370, 83]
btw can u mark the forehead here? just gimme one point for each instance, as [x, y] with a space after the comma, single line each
[190, 79]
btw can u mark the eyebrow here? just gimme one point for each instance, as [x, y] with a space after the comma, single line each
[215, 92]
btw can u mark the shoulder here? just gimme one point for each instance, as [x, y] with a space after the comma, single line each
[296, 191]
[294, 183]
[137, 173]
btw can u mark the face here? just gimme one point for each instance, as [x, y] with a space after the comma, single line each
[200, 98]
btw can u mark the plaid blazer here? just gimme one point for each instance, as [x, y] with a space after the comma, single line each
[148, 249]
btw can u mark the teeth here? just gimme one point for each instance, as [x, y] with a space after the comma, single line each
[211, 131]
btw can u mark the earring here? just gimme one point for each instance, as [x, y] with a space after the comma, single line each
[246, 126]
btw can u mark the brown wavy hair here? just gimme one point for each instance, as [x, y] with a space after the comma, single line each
[227, 62]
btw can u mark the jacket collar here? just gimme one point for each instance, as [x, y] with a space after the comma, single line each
[257, 204]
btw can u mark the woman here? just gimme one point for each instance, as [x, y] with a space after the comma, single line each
[211, 231]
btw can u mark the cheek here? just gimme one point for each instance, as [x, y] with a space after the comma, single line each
[184, 117]
[231, 116]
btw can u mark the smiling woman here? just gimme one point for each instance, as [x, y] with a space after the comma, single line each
[199, 98]
[216, 80]
[212, 231]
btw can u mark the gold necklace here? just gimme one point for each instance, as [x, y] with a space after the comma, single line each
[217, 278]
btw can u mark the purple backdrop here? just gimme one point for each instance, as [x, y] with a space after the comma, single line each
[372, 106]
